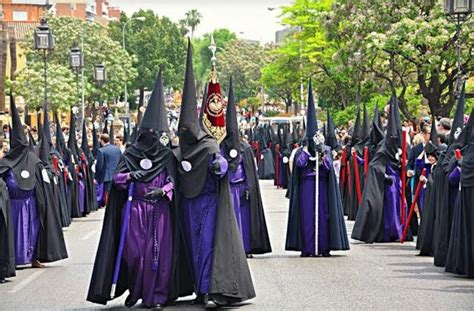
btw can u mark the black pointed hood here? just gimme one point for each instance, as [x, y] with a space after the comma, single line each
[431, 147]
[195, 145]
[331, 139]
[31, 141]
[125, 135]
[43, 151]
[231, 143]
[19, 158]
[311, 117]
[155, 116]
[458, 121]
[392, 138]
[365, 133]
[377, 119]
[85, 140]
[72, 140]
[95, 141]
[60, 141]
[111, 133]
[40, 125]
[376, 132]
[356, 134]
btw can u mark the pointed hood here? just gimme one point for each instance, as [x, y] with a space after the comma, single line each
[125, 134]
[231, 143]
[458, 121]
[17, 135]
[72, 141]
[331, 139]
[377, 119]
[19, 158]
[40, 125]
[43, 151]
[365, 133]
[60, 141]
[85, 140]
[356, 134]
[376, 132]
[392, 138]
[431, 147]
[155, 116]
[311, 117]
[195, 145]
[95, 141]
[111, 133]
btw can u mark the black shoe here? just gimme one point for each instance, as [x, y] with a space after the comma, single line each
[2, 281]
[129, 302]
[305, 255]
[249, 256]
[201, 299]
[326, 254]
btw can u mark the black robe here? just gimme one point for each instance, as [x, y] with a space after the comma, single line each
[7, 237]
[259, 239]
[337, 228]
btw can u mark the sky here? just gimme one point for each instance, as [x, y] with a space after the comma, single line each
[249, 19]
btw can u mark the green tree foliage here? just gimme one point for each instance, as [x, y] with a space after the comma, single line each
[348, 45]
[155, 43]
[98, 48]
[243, 61]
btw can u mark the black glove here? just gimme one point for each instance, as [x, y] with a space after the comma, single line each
[216, 166]
[137, 175]
[155, 194]
[388, 180]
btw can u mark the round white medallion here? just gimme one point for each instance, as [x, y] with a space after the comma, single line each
[146, 164]
[25, 174]
[285, 160]
[187, 166]
[233, 153]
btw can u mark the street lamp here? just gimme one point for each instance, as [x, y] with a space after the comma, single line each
[76, 63]
[44, 43]
[100, 75]
[459, 11]
[138, 18]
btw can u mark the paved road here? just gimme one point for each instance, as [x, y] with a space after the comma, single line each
[379, 276]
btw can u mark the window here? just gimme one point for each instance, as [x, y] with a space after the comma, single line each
[20, 16]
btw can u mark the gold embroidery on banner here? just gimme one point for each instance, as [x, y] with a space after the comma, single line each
[218, 133]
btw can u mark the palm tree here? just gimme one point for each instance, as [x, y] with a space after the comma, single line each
[193, 18]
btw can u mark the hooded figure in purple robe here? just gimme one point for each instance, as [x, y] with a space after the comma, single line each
[315, 231]
[7, 236]
[214, 244]
[378, 219]
[31, 205]
[152, 268]
[244, 185]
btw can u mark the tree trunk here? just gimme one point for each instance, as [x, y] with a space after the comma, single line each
[3, 65]
[13, 55]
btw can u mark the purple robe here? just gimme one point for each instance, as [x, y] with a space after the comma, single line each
[100, 194]
[82, 195]
[391, 207]
[149, 241]
[198, 217]
[238, 186]
[26, 221]
[307, 205]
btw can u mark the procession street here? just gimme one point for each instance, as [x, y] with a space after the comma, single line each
[369, 276]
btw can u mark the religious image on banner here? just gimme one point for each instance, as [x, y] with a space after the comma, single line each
[214, 117]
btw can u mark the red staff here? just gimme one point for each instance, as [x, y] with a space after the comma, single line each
[357, 177]
[343, 167]
[366, 161]
[412, 208]
[404, 176]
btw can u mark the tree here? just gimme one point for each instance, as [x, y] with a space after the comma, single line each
[193, 19]
[243, 62]
[98, 47]
[155, 43]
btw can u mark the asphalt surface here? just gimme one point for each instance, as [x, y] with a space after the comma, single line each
[374, 277]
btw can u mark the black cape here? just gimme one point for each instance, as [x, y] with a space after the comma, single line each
[337, 228]
[260, 241]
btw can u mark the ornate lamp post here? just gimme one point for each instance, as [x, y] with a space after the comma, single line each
[459, 11]
[100, 77]
[44, 43]
[76, 63]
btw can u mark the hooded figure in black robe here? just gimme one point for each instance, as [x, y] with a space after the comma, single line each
[378, 219]
[71, 162]
[51, 233]
[460, 256]
[31, 202]
[302, 233]
[205, 203]
[155, 273]
[266, 164]
[245, 186]
[87, 161]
